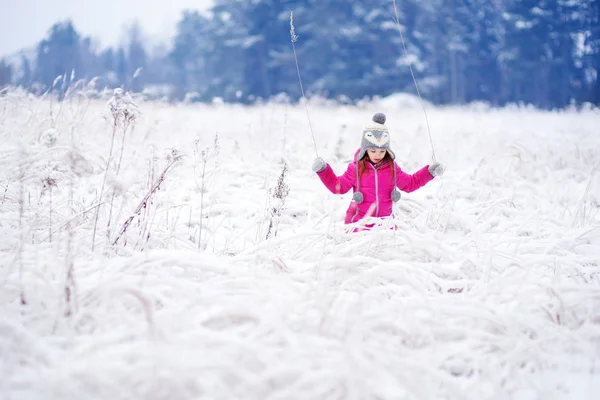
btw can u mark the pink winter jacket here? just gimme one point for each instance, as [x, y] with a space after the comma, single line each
[376, 186]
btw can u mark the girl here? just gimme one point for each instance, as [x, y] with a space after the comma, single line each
[373, 175]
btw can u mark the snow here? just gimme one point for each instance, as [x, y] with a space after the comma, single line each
[487, 289]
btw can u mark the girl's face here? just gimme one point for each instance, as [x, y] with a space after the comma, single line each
[376, 155]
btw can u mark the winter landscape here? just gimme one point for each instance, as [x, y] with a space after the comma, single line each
[187, 251]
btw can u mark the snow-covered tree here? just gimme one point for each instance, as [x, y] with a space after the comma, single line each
[59, 55]
[5, 73]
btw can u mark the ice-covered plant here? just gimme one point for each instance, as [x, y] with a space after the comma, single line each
[203, 156]
[277, 196]
[123, 113]
[173, 159]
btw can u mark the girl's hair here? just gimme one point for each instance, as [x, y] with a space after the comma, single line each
[362, 163]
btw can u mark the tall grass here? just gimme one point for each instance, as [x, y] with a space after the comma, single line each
[486, 288]
[123, 113]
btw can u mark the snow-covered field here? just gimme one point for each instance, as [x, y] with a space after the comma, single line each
[489, 288]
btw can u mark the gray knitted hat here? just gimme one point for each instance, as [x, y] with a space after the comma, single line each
[376, 136]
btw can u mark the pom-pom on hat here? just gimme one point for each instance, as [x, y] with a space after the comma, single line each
[376, 136]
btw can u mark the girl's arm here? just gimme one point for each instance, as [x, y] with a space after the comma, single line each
[409, 183]
[338, 184]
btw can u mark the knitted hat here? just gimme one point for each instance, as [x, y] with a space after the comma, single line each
[376, 136]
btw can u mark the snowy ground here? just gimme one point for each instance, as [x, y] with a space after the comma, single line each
[488, 289]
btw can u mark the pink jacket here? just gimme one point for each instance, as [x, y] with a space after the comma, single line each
[376, 186]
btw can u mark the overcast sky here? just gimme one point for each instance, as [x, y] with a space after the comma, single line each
[23, 23]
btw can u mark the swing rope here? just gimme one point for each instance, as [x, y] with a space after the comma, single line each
[414, 80]
[294, 38]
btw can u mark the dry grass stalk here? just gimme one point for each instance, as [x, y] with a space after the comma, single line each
[172, 162]
[278, 196]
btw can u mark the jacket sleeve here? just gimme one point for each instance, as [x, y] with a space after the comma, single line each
[338, 184]
[409, 183]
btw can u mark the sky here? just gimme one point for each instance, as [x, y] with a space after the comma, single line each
[23, 23]
[487, 288]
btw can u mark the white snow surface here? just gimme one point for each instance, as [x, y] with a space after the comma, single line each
[488, 288]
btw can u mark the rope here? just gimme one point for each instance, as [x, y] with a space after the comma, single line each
[294, 38]
[414, 80]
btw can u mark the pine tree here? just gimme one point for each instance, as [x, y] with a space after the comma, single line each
[5, 73]
[108, 65]
[588, 54]
[137, 58]
[539, 51]
[256, 38]
[193, 57]
[59, 55]
[26, 77]
[482, 73]
[122, 68]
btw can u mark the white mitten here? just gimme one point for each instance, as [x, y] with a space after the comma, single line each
[436, 169]
[319, 165]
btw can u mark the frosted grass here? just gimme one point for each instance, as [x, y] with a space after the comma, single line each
[488, 288]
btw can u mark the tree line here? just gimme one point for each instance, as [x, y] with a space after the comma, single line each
[540, 52]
